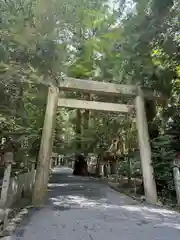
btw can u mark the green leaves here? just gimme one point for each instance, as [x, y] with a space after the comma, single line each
[42, 39]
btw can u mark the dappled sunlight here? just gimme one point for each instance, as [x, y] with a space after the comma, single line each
[169, 224]
[158, 216]
[8, 238]
[82, 202]
[160, 211]
[77, 194]
[58, 185]
[132, 208]
[143, 211]
[61, 170]
[15, 221]
[166, 217]
[53, 185]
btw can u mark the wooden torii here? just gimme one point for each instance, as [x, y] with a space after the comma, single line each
[55, 100]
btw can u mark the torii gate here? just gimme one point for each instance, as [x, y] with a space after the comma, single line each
[54, 100]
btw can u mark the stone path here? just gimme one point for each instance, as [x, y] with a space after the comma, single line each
[81, 208]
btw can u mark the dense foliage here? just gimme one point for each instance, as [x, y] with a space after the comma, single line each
[133, 41]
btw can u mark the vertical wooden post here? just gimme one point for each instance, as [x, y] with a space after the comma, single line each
[86, 118]
[45, 152]
[176, 174]
[59, 160]
[145, 150]
[78, 130]
[8, 159]
[5, 185]
[32, 175]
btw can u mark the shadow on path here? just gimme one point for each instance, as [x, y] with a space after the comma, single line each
[85, 208]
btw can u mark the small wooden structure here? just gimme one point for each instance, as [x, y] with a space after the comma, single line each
[102, 88]
[54, 159]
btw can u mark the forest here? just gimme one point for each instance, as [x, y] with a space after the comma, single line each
[125, 42]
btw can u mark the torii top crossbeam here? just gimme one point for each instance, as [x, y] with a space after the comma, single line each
[102, 88]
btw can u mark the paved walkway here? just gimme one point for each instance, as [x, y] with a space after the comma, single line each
[80, 208]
